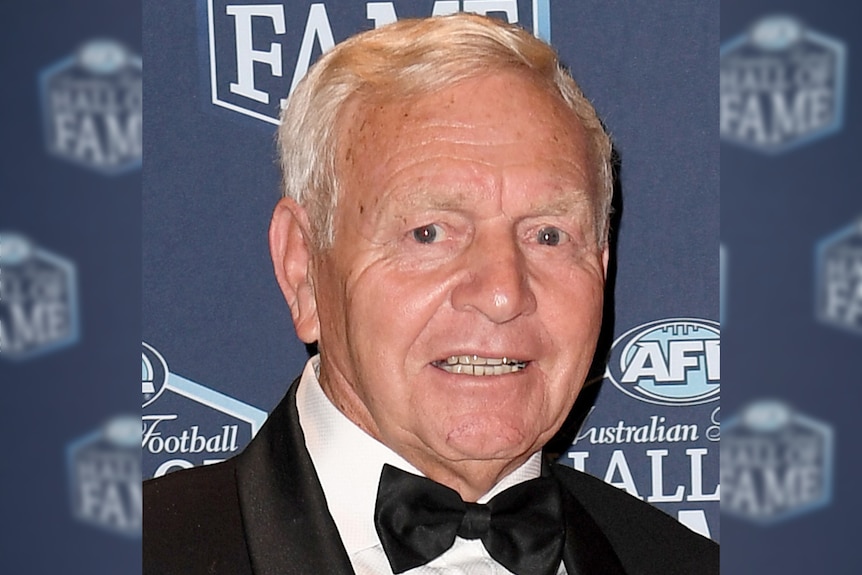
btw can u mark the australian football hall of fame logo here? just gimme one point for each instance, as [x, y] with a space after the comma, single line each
[839, 278]
[186, 424]
[91, 107]
[660, 444]
[259, 51]
[776, 463]
[38, 299]
[782, 85]
[105, 476]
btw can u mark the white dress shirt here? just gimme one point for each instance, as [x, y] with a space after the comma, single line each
[348, 462]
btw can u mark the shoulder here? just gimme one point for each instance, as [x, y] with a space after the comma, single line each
[646, 539]
[192, 522]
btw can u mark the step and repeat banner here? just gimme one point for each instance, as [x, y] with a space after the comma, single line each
[791, 259]
[218, 348]
[136, 184]
[71, 119]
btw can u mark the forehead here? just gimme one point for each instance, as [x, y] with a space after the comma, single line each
[493, 127]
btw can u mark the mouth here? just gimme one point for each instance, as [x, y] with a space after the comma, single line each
[478, 365]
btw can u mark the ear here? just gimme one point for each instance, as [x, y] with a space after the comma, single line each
[291, 251]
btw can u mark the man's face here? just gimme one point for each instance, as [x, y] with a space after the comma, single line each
[461, 301]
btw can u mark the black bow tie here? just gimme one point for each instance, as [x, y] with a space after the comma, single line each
[417, 520]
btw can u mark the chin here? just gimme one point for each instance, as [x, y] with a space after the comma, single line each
[490, 439]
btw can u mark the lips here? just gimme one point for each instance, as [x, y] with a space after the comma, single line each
[479, 365]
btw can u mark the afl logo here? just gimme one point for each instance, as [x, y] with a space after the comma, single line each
[154, 374]
[669, 362]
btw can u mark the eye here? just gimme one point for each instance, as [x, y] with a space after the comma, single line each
[427, 234]
[549, 236]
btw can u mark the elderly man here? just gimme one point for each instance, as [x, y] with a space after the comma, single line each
[447, 254]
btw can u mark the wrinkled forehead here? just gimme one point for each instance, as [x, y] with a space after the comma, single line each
[515, 108]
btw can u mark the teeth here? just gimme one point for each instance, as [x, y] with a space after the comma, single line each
[477, 365]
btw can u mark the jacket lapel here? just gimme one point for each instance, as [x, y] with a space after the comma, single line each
[287, 524]
[587, 551]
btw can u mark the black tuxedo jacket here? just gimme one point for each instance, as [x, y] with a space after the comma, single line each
[264, 512]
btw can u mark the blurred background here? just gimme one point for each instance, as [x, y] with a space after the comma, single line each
[791, 286]
[70, 285]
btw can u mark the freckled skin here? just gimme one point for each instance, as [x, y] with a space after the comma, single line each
[488, 165]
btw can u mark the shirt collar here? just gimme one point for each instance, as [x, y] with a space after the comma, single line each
[348, 462]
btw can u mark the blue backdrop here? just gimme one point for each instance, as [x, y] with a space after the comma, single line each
[108, 253]
[790, 131]
[779, 101]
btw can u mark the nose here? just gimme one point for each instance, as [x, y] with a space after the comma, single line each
[496, 280]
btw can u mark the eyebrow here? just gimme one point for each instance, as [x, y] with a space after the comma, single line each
[565, 203]
[427, 198]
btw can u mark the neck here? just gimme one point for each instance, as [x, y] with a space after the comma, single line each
[471, 479]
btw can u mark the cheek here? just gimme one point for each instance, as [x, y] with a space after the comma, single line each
[398, 305]
[575, 294]
[572, 316]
